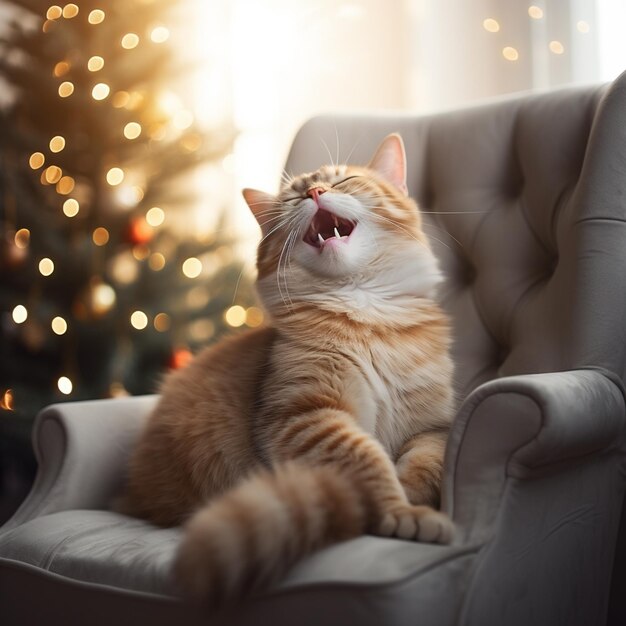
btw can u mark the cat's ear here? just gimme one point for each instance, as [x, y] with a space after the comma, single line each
[263, 206]
[389, 161]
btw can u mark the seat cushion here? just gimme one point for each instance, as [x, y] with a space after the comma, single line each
[118, 551]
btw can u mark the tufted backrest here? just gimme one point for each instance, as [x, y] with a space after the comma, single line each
[524, 201]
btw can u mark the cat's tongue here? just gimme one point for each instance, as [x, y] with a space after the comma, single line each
[326, 227]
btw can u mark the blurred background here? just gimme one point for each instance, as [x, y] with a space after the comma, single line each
[128, 127]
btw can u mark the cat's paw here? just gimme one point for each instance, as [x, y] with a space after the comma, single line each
[418, 523]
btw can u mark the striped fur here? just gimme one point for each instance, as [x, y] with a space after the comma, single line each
[329, 423]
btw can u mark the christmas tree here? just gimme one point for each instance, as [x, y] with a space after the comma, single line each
[100, 296]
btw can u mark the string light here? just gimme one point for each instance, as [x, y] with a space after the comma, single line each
[66, 89]
[61, 68]
[53, 174]
[57, 143]
[96, 16]
[59, 326]
[54, 12]
[510, 54]
[20, 314]
[7, 401]
[192, 267]
[46, 266]
[66, 185]
[159, 34]
[100, 91]
[115, 176]
[37, 159]
[65, 385]
[100, 236]
[583, 27]
[491, 25]
[132, 130]
[130, 41]
[254, 317]
[155, 216]
[235, 316]
[22, 238]
[139, 320]
[535, 12]
[95, 64]
[70, 11]
[556, 47]
[162, 322]
[71, 207]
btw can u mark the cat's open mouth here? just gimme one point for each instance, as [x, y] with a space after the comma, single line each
[327, 226]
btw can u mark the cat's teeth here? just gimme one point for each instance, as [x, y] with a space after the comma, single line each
[319, 236]
[337, 234]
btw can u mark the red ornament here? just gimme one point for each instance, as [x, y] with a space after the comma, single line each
[139, 231]
[180, 358]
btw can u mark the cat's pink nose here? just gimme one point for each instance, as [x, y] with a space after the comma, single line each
[315, 193]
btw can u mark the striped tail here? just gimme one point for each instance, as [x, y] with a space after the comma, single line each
[251, 536]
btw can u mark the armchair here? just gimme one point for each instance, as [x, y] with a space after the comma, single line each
[525, 203]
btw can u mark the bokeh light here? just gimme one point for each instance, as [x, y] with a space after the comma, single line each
[57, 143]
[535, 12]
[192, 267]
[53, 174]
[491, 25]
[139, 320]
[115, 176]
[132, 130]
[54, 12]
[65, 385]
[162, 322]
[22, 238]
[37, 159]
[20, 314]
[66, 89]
[130, 41]
[95, 64]
[100, 236]
[155, 216]
[59, 325]
[65, 185]
[556, 47]
[61, 68]
[235, 316]
[70, 11]
[96, 16]
[159, 34]
[510, 54]
[100, 91]
[71, 207]
[46, 266]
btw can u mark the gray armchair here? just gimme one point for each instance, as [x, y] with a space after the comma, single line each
[525, 202]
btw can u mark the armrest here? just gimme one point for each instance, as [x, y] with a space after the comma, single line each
[524, 427]
[82, 449]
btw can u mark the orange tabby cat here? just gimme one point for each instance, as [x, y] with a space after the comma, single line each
[331, 422]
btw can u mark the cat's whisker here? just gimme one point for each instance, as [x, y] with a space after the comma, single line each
[330, 156]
